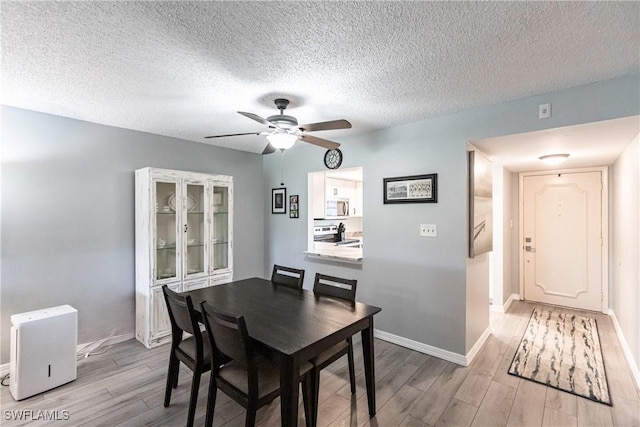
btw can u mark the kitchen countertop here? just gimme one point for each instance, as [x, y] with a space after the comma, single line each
[338, 253]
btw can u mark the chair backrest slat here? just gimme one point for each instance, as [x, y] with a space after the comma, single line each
[227, 334]
[335, 287]
[181, 311]
[287, 276]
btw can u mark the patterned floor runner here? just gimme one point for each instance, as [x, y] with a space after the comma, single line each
[563, 351]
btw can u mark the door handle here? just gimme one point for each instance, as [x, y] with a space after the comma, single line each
[529, 249]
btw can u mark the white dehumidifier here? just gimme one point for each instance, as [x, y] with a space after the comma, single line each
[43, 350]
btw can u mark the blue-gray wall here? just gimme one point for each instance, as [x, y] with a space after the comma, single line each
[421, 283]
[68, 215]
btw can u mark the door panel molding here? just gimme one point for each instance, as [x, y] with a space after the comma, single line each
[604, 308]
[561, 294]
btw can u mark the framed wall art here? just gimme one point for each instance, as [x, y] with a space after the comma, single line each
[411, 189]
[279, 201]
[480, 204]
[293, 206]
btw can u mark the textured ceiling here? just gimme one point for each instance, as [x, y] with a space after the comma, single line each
[183, 69]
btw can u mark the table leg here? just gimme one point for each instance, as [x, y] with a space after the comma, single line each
[369, 366]
[289, 375]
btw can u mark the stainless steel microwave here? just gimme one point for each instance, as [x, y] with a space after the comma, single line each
[337, 208]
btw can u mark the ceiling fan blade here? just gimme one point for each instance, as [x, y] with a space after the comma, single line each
[325, 143]
[258, 119]
[333, 124]
[233, 134]
[269, 149]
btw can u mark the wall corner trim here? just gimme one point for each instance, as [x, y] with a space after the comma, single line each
[447, 355]
[512, 298]
[625, 348]
[477, 346]
[503, 308]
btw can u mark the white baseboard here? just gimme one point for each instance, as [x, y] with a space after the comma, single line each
[477, 346]
[422, 348]
[86, 347]
[625, 348]
[505, 307]
[512, 298]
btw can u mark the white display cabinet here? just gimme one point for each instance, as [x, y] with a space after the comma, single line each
[184, 239]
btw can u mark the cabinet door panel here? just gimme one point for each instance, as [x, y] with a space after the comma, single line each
[160, 323]
[221, 239]
[195, 230]
[166, 242]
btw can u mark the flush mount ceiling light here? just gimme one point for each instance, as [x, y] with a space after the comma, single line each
[282, 141]
[553, 159]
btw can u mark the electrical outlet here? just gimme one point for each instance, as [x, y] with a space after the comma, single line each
[544, 111]
[428, 230]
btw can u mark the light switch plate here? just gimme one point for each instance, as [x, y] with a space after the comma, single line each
[428, 230]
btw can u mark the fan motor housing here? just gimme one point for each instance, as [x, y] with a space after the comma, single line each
[283, 120]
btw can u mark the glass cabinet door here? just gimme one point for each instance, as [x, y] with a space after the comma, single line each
[195, 229]
[220, 240]
[166, 226]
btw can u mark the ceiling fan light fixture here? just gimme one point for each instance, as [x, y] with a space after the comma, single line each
[553, 159]
[282, 141]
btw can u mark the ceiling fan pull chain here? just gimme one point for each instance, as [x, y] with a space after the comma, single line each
[282, 167]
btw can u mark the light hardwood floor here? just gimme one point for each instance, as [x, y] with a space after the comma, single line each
[125, 387]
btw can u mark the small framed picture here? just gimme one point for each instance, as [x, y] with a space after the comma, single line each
[279, 201]
[293, 207]
[411, 189]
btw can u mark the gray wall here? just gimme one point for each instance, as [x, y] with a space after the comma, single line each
[421, 283]
[68, 215]
[625, 248]
[515, 236]
[67, 212]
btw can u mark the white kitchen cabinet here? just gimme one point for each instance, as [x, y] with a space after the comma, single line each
[184, 239]
[355, 203]
[318, 197]
[338, 188]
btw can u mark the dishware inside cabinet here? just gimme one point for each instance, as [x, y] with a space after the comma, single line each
[165, 233]
[195, 231]
[220, 227]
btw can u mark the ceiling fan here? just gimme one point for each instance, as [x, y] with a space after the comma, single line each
[284, 130]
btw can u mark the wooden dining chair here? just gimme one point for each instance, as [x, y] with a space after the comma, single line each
[251, 379]
[193, 351]
[287, 276]
[343, 289]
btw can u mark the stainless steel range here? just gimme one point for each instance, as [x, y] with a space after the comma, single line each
[333, 234]
[326, 233]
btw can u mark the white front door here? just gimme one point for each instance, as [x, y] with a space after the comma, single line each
[563, 239]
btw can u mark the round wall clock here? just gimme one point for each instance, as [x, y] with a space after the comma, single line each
[333, 158]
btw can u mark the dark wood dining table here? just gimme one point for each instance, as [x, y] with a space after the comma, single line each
[295, 325]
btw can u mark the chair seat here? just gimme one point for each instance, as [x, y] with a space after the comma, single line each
[188, 347]
[339, 349]
[235, 374]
